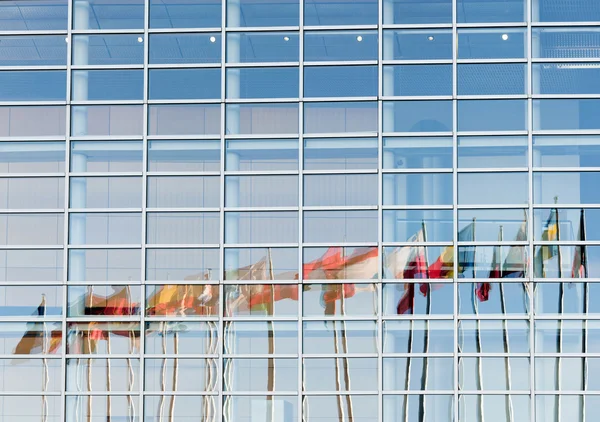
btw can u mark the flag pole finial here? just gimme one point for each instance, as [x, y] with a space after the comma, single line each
[556, 199]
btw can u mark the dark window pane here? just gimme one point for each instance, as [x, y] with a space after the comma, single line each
[493, 43]
[33, 85]
[417, 11]
[184, 119]
[492, 79]
[22, 15]
[184, 84]
[185, 14]
[270, 82]
[417, 44]
[340, 45]
[475, 11]
[108, 49]
[185, 48]
[108, 14]
[578, 11]
[492, 115]
[243, 13]
[417, 116]
[333, 12]
[566, 43]
[33, 50]
[108, 85]
[340, 81]
[340, 117]
[262, 47]
[417, 80]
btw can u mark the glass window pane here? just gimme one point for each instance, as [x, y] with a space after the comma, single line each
[340, 226]
[184, 119]
[489, 336]
[496, 225]
[104, 265]
[417, 189]
[333, 12]
[566, 151]
[261, 264]
[417, 80]
[257, 374]
[547, 334]
[441, 405]
[573, 370]
[492, 43]
[106, 192]
[565, 43]
[320, 375]
[401, 226]
[498, 188]
[401, 299]
[570, 221]
[199, 338]
[108, 85]
[32, 193]
[258, 337]
[557, 299]
[184, 84]
[413, 262]
[32, 157]
[34, 407]
[261, 191]
[115, 338]
[396, 333]
[547, 11]
[340, 81]
[475, 11]
[417, 12]
[24, 301]
[32, 121]
[417, 44]
[244, 13]
[21, 338]
[32, 375]
[492, 151]
[566, 78]
[265, 82]
[261, 155]
[492, 115]
[183, 192]
[285, 409]
[492, 79]
[87, 375]
[108, 14]
[31, 229]
[31, 265]
[360, 337]
[32, 50]
[102, 300]
[417, 116]
[341, 263]
[107, 120]
[261, 300]
[417, 153]
[564, 262]
[182, 264]
[505, 298]
[262, 47]
[340, 117]
[566, 188]
[98, 156]
[105, 228]
[340, 190]
[340, 45]
[171, 228]
[184, 299]
[261, 227]
[23, 15]
[192, 375]
[340, 154]
[39, 85]
[108, 49]
[566, 114]
[495, 406]
[399, 371]
[185, 48]
[185, 155]
[247, 119]
[182, 14]
[354, 300]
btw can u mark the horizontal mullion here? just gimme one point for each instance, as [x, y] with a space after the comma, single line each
[105, 246]
[26, 68]
[259, 245]
[493, 170]
[265, 209]
[182, 246]
[325, 63]
[417, 98]
[344, 172]
[194, 101]
[415, 62]
[32, 103]
[261, 173]
[180, 210]
[239, 29]
[30, 393]
[416, 170]
[230, 65]
[183, 173]
[491, 61]
[107, 174]
[30, 175]
[30, 247]
[340, 208]
[183, 30]
[418, 134]
[338, 99]
[184, 65]
[104, 210]
[132, 66]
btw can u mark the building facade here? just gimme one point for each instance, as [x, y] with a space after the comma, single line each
[299, 210]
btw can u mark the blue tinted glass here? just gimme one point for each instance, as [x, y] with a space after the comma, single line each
[417, 11]
[566, 188]
[417, 189]
[400, 226]
[103, 156]
[417, 153]
[566, 78]
[244, 13]
[107, 120]
[108, 85]
[257, 154]
[492, 151]
[185, 48]
[340, 153]
[108, 14]
[172, 84]
[255, 82]
[473, 11]
[340, 189]
[185, 14]
[335, 12]
[33, 50]
[184, 119]
[565, 43]
[417, 44]
[558, 114]
[342, 45]
[250, 47]
[188, 155]
[491, 79]
[417, 116]
[495, 224]
[572, 11]
[33, 85]
[22, 15]
[566, 151]
[492, 43]
[340, 81]
[407, 80]
[493, 188]
[108, 49]
[340, 117]
[261, 118]
[474, 115]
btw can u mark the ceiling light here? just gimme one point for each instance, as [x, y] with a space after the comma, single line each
[140, 39]
[359, 38]
[286, 38]
[504, 37]
[212, 39]
[430, 38]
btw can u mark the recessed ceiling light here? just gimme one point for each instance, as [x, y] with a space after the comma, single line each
[430, 38]
[359, 38]
[213, 39]
[140, 39]
[504, 37]
[286, 38]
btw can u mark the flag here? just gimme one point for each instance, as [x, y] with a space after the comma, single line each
[33, 341]
[545, 252]
[580, 264]
[443, 267]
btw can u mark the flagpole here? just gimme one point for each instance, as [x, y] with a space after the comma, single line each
[338, 381]
[477, 336]
[425, 371]
[561, 303]
[271, 335]
[586, 298]
[345, 350]
[131, 374]
[89, 366]
[45, 375]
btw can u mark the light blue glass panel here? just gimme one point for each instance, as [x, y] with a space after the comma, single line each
[565, 42]
[441, 405]
[184, 84]
[185, 14]
[285, 408]
[320, 375]
[29, 375]
[417, 80]
[492, 115]
[567, 151]
[105, 228]
[439, 300]
[492, 151]
[340, 226]
[184, 228]
[417, 189]
[398, 372]
[566, 78]
[363, 407]
[108, 14]
[573, 370]
[183, 191]
[400, 226]
[417, 116]
[417, 153]
[45, 85]
[261, 191]
[104, 265]
[108, 85]
[245, 13]
[495, 224]
[569, 220]
[34, 407]
[417, 44]
[492, 79]
[184, 119]
[440, 336]
[106, 192]
[185, 48]
[23, 15]
[567, 298]
[255, 374]
[266, 82]
[492, 43]
[571, 332]
[566, 114]
[495, 406]
[107, 120]
[261, 155]
[168, 265]
[32, 229]
[475, 11]
[99, 156]
[108, 49]
[262, 47]
[32, 157]
[26, 265]
[340, 45]
[490, 336]
[185, 155]
[503, 298]
[31, 193]
[261, 227]
[340, 190]
[360, 337]
[340, 153]
[578, 11]
[345, 12]
[340, 117]
[566, 187]
[492, 188]
[24, 301]
[340, 81]
[417, 11]
[192, 338]
[263, 118]
[32, 50]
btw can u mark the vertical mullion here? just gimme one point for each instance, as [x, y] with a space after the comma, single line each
[379, 290]
[300, 211]
[455, 205]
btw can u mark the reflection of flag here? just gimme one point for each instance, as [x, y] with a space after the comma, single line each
[483, 291]
[515, 264]
[325, 267]
[116, 304]
[361, 265]
[443, 267]
[265, 294]
[334, 292]
[33, 340]
[551, 233]
[580, 265]
[410, 262]
[256, 271]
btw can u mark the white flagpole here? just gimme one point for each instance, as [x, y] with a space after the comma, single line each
[505, 338]
[478, 339]
[425, 373]
[271, 335]
[45, 375]
[561, 304]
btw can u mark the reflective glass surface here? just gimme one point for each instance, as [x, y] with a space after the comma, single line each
[33, 85]
[340, 81]
[188, 84]
[243, 13]
[417, 44]
[107, 49]
[32, 15]
[334, 12]
[492, 115]
[479, 11]
[185, 14]
[417, 80]
[185, 48]
[340, 45]
[108, 14]
[251, 82]
[492, 43]
[32, 50]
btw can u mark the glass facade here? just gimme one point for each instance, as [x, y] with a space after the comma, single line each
[299, 210]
